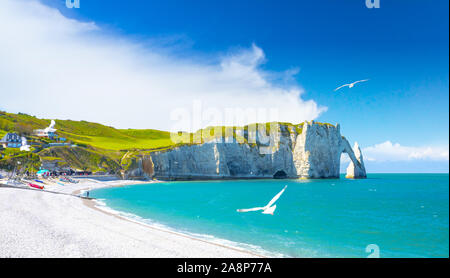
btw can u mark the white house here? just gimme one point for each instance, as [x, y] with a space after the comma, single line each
[48, 132]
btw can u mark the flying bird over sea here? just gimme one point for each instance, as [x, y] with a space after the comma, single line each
[351, 85]
[267, 209]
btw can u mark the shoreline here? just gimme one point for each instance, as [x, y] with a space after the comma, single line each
[93, 204]
[34, 220]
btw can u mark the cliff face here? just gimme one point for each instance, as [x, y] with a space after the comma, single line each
[314, 152]
[353, 171]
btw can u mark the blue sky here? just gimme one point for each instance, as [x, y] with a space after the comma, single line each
[401, 47]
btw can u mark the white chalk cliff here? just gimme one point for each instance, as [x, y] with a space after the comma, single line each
[356, 171]
[314, 151]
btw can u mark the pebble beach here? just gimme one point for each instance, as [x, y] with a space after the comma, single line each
[57, 223]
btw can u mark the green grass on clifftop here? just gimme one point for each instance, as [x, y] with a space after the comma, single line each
[88, 133]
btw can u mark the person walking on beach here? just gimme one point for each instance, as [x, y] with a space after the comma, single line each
[87, 194]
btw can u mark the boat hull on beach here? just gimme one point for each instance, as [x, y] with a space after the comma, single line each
[36, 186]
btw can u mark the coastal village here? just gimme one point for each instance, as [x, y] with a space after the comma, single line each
[13, 143]
[30, 145]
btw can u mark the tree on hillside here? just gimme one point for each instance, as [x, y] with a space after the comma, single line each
[24, 129]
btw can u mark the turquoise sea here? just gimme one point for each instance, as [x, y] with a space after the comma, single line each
[404, 215]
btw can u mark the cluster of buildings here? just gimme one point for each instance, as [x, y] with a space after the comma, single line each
[14, 140]
[48, 168]
[48, 132]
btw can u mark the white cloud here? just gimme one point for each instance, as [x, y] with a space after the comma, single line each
[52, 66]
[389, 151]
[388, 157]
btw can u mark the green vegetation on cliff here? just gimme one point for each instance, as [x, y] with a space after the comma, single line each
[88, 133]
[83, 158]
[99, 147]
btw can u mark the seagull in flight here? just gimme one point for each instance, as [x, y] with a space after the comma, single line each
[268, 209]
[351, 85]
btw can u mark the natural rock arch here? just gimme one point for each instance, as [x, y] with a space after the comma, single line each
[355, 169]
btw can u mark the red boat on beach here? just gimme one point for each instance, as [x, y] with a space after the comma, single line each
[36, 186]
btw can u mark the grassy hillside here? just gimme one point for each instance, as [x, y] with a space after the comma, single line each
[83, 158]
[108, 138]
[99, 147]
[88, 133]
